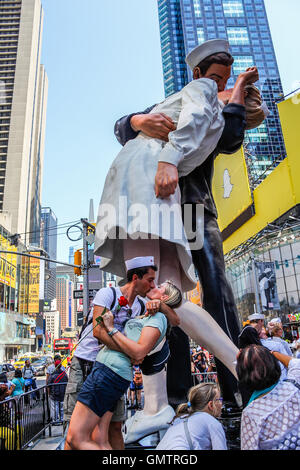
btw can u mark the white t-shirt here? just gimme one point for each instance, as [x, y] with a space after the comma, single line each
[279, 347]
[206, 433]
[284, 345]
[89, 347]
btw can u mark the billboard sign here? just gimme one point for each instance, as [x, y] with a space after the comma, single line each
[265, 272]
[34, 284]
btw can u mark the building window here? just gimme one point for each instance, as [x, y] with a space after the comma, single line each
[233, 8]
[197, 8]
[238, 36]
[241, 63]
[200, 35]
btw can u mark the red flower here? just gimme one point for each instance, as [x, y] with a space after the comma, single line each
[123, 301]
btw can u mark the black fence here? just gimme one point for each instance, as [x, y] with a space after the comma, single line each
[25, 418]
[204, 377]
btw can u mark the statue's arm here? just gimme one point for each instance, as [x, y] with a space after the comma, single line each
[234, 131]
[155, 125]
[123, 130]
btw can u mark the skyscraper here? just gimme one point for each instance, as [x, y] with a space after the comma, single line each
[65, 301]
[186, 23]
[23, 103]
[48, 241]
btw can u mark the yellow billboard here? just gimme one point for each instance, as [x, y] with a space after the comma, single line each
[280, 191]
[23, 285]
[34, 284]
[231, 188]
[8, 263]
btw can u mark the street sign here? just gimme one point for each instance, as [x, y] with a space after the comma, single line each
[78, 294]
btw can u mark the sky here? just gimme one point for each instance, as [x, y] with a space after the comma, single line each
[103, 61]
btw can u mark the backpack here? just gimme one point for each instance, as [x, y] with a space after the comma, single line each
[89, 321]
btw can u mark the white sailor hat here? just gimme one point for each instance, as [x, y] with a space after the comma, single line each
[256, 316]
[275, 320]
[208, 48]
[139, 262]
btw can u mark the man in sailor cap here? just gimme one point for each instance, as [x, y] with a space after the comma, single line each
[212, 60]
[250, 334]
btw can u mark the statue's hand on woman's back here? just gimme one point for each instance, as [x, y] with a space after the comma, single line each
[166, 180]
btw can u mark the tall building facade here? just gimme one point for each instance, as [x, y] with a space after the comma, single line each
[23, 103]
[65, 301]
[66, 282]
[186, 23]
[48, 241]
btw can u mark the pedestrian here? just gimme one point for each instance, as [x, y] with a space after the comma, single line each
[195, 425]
[272, 345]
[28, 374]
[136, 387]
[275, 330]
[212, 370]
[93, 340]
[51, 368]
[8, 385]
[57, 384]
[19, 383]
[250, 333]
[271, 419]
[81, 365]
[112, 371]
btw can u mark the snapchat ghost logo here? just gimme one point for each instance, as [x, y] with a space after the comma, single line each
[227, 184]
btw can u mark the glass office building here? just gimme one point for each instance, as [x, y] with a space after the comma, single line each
[280, 254]
[186, 23]
[49, 243]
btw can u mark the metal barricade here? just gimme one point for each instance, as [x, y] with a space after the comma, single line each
[24, 419]
[204, 377]
[8, 425]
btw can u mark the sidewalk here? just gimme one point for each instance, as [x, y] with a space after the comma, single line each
[57, 441]
[54, 442]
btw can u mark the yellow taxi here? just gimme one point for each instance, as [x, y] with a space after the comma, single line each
[65, 362]
[21, 361]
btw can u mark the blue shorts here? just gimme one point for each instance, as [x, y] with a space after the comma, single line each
[135, 387]
[102, 389]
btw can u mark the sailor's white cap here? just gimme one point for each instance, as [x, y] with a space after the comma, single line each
[208, 48]
[139, 262]
[256, 316]
[275, 320]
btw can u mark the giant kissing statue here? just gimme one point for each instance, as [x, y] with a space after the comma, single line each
[142, 183]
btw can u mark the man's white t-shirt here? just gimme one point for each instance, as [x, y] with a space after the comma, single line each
[89, 347]
[206, 433]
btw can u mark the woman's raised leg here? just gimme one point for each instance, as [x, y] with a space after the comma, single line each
[199, 325]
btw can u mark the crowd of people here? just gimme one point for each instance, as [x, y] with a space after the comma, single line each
[267, 371]
[203, 366]
[268, 376]
[24, 381]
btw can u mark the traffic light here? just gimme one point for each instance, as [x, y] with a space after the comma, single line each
[77, 260]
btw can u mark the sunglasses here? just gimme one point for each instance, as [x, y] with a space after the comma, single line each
[219, 399]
